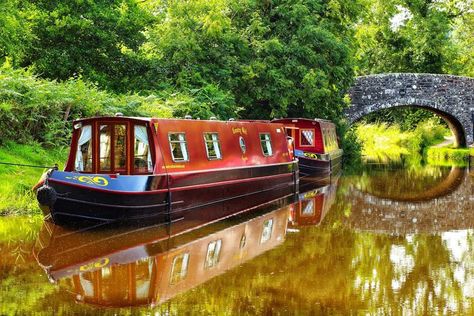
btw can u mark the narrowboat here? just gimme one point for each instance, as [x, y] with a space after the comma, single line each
[124, 168]
[152, 264]
[313, 204]
[315, 145]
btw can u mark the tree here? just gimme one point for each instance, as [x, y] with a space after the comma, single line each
[272, 58]
[94, 39]
[15, 31]
[410, 36]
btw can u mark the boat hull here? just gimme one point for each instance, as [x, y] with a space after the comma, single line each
[165, 198]
[320, 169]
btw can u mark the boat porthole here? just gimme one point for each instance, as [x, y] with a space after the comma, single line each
[242, 145]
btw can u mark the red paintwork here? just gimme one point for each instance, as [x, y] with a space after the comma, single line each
[293, 126]
[229, 133]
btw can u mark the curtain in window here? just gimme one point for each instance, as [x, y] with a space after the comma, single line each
[215, 143]
[142, 135]
[86, 135]
[182, 144]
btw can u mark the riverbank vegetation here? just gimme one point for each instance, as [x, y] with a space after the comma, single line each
[16, 196]
[384, 142]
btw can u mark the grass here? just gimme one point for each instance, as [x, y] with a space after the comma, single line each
[446, 156]
[16, 196]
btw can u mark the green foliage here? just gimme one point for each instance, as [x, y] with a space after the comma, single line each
[410, 36]
[94, 39]
[274, 59]
[442, 156]
[15, 30]
[383, 142]
[16, 196]
[33, 109]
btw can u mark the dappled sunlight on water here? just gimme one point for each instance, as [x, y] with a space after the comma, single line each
[382, 241]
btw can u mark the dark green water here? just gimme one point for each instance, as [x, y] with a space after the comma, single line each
[381, 241]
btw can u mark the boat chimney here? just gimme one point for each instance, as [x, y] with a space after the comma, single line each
[213, 118]
[188, 117]
[232, 119]
[118, 114]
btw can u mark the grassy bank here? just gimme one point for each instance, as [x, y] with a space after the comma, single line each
[16, 196]
[390, 143]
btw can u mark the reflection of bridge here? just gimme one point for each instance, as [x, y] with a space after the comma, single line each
[451, 97]
[446, 186]
[448, 212]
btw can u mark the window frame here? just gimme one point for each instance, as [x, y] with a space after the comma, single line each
[182, 276]
[212, 142]
[79, 133]
[112, 124]
[132, 149]
[269, 140]
[215, 259]
[179, 142]
[301, 136]
[242, 145]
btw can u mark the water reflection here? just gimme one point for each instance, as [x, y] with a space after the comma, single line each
[350, 250]
[151, 264]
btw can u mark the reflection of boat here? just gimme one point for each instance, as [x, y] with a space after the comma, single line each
[316, 145]
[149, 265]
[313, 204]
[131, 168]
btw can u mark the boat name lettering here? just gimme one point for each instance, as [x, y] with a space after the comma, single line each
[174, 166]
[239, 130]
[100, 181]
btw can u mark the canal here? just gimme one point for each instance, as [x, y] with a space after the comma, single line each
[381, 240]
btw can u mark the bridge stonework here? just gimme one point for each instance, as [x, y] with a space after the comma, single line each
[451, 97]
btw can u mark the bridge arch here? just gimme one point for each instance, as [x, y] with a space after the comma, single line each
[451, 97]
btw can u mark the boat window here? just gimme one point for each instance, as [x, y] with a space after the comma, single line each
[307, 208]
[213, 147]
[143, 274]
[267, 230]
[142, 161]
[179, 151]
[120, 147]
[84, 150]
[266, 143]
[243, 147]
[213, 251]
[179, 268]
[307, 137]
[86, 280]
[105, 138]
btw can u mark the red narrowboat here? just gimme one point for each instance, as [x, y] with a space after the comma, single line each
[152, 264]
[122, 168]
[313, 204]
[315, 145]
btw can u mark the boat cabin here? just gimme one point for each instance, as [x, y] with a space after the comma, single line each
[140, 146]
[315, 136]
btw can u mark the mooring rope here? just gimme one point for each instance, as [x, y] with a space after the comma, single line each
[30, 166]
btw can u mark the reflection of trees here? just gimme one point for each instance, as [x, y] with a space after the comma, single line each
[397, 184]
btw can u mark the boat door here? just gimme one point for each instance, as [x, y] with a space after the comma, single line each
[112, 153]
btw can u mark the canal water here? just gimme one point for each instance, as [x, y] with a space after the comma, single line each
[381, 240]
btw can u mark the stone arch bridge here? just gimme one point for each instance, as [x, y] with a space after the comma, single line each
[451, 97]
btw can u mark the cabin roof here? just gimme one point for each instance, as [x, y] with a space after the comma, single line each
[149, 119]
[302, 119]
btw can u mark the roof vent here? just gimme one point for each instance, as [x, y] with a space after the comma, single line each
[232, 119]
[118, 114]
[213, 118]
[188, 117]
